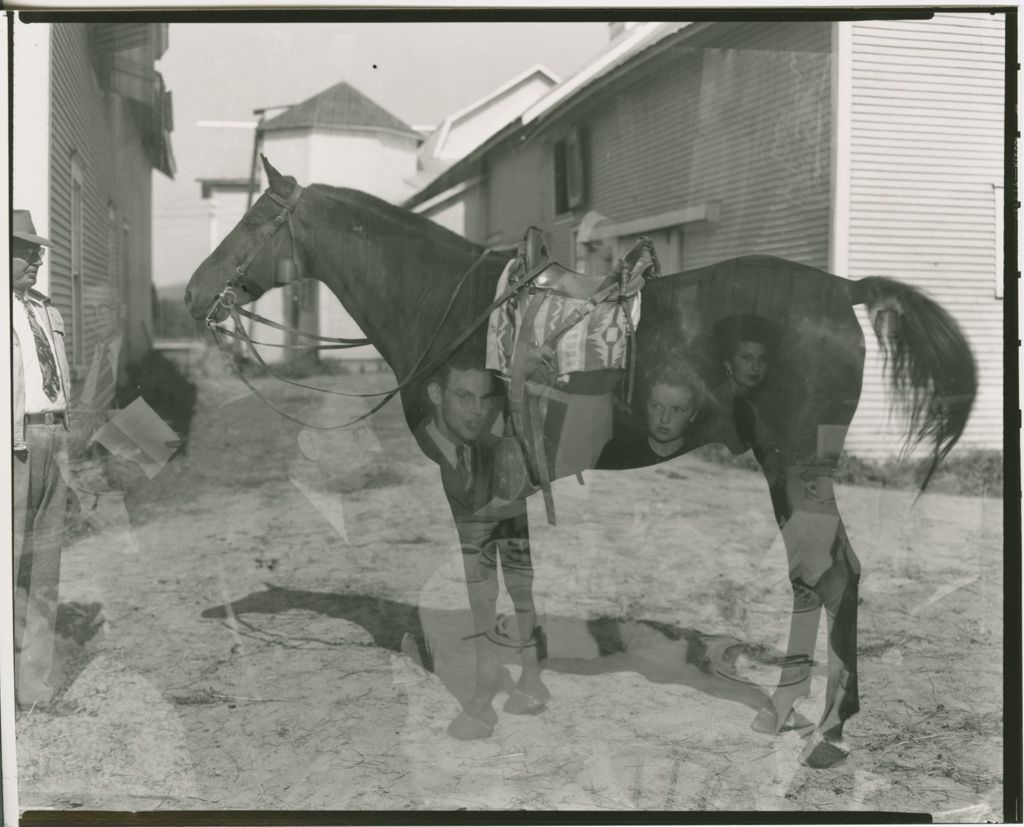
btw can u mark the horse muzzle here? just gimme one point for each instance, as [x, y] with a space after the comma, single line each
[220, 307]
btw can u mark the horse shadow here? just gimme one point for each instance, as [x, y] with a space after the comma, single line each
[718, 665]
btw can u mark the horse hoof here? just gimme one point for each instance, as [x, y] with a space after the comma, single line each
[468, 728]
[767, 721]
[820, 753]
[521, 702]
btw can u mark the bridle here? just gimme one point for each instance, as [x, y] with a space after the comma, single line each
[226, 298]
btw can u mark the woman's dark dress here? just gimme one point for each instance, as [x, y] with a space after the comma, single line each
[632, 451]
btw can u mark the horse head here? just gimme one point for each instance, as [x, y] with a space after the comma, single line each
[254, 257]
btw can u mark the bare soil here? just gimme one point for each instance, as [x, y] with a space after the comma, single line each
[256, 594]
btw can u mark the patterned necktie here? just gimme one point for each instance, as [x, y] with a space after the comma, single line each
[464, 468]
[51, 383]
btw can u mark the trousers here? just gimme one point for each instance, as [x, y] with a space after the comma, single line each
[40, 496]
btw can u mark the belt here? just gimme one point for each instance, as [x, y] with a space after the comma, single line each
[45, 418]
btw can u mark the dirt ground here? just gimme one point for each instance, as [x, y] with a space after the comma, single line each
[257, 591]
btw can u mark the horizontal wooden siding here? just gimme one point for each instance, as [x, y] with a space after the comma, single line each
[926, 149]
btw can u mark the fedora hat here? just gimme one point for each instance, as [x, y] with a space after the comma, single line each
[23, 228]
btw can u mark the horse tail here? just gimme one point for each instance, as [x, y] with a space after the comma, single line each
[929, 363]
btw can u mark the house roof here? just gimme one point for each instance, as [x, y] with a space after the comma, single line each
[435, 154]
[467, 112]
[342, 106]
[619, 51]
[624, 50]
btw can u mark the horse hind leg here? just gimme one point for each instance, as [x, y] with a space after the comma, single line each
[778, 713]
[825, 573]
[838, 588]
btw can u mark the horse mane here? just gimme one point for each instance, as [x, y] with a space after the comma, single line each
[380, 217]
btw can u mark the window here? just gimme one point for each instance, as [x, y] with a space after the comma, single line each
[569, 172]
[125, 270]
[77, 263]
[113, 254]
[997, 193]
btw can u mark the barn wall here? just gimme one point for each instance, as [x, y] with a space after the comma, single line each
[95, 130]
[925, 156]
[743, 122]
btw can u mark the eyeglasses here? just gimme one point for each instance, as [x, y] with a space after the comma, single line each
[30, 253]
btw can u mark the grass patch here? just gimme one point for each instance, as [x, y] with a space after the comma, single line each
[199, 697]
[306, 365]
[720, 455]
[383, 477]
[970, 473]
[416, 540]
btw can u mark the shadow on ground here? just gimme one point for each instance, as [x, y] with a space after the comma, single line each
[718, 665]
[165, 388]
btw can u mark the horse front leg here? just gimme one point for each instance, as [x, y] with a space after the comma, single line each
[480, 565]
[824, 573]
[485, 547]
[530, 695]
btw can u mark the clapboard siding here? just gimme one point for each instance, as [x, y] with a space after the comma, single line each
[77, 132]
[743, 122]
[98, 129]
[519, 192]
[926, 148]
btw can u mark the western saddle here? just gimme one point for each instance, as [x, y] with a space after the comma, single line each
[527, 334]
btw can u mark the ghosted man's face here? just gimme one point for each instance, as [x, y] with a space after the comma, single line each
[461, 407]
[670, 408]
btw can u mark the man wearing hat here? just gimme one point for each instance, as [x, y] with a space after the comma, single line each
[40, 405]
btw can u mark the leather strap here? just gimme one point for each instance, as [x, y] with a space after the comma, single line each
[55, 418]
[256, 317]
[536, 423]
[520, 416]
[233, 335]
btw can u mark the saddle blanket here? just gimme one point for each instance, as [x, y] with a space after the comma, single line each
[597, 342]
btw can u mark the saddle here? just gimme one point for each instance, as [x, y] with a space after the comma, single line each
[561, 343]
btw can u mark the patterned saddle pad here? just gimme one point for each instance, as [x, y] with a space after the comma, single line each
[597, 342]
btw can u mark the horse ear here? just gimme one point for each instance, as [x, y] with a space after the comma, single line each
[272, 174]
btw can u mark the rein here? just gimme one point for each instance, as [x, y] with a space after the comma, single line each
[418, 371]
[227, 300]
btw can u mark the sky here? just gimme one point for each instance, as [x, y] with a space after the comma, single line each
[420, 72]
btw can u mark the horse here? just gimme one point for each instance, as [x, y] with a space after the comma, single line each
[420, 294]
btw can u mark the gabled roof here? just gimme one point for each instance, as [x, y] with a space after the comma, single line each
[342, 106]
[442, 145]
[622, 52]
[538, 71]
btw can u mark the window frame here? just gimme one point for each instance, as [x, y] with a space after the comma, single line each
[77, 261]
[998, 196]
[569, 172]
